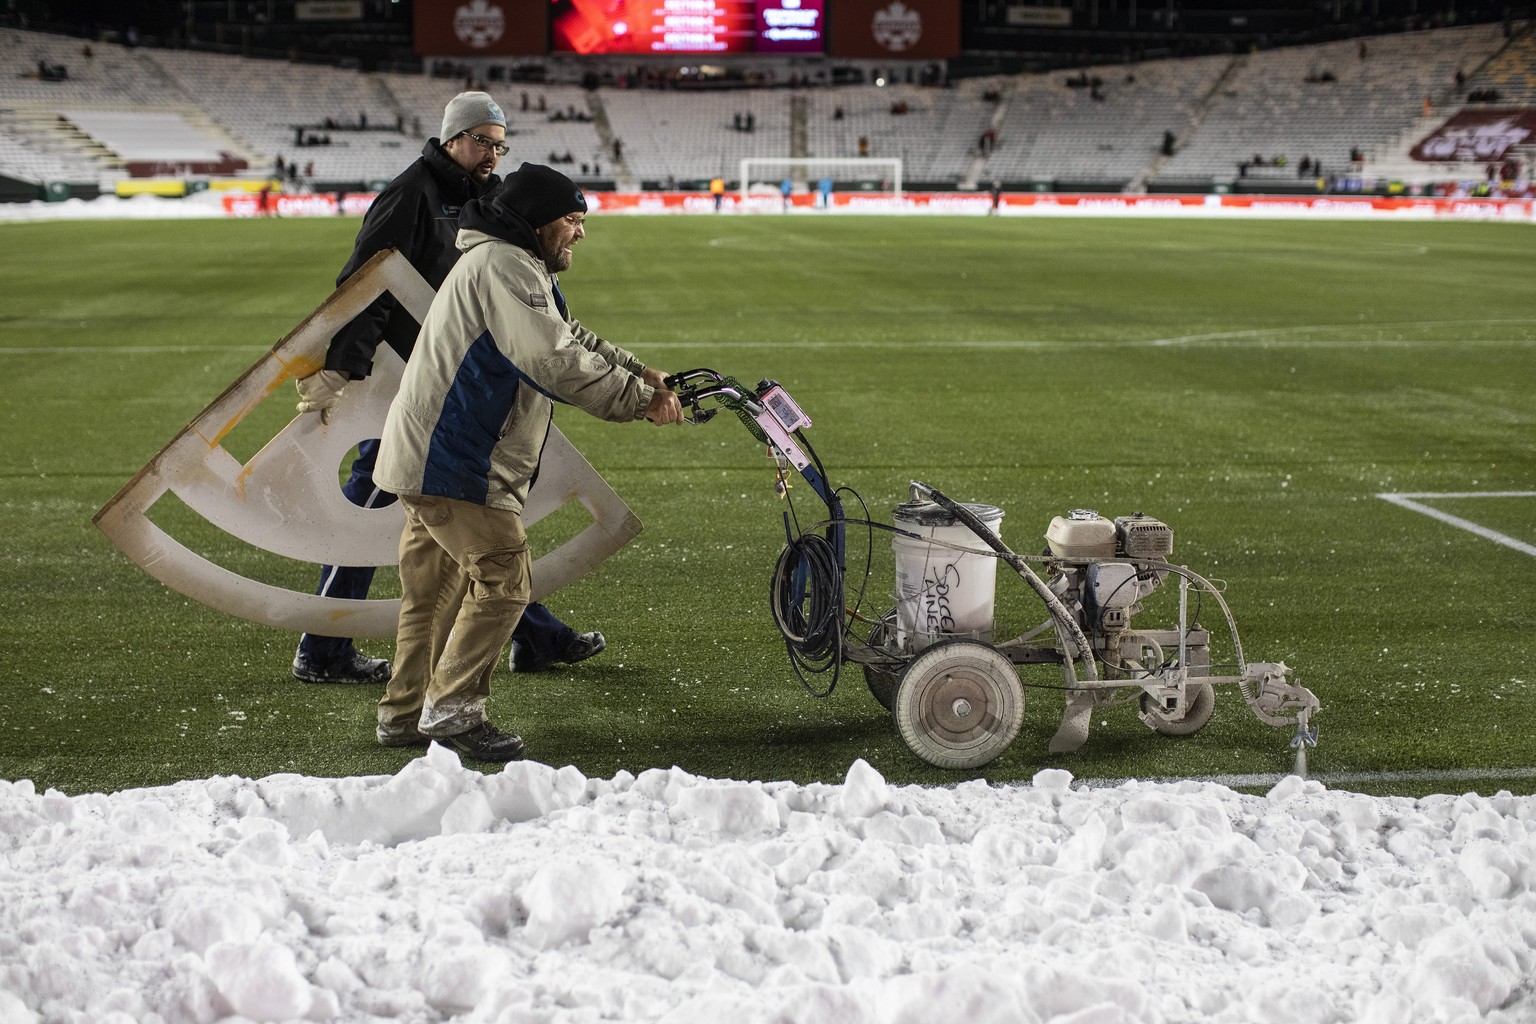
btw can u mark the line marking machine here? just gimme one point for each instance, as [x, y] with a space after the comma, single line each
[954, 690]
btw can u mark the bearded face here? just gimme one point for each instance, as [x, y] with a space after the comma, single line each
[557, 239]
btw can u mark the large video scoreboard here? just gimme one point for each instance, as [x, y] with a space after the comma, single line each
[688, 27]
[684, 29]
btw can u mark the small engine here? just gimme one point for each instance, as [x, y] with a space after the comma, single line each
[1105, 568]
[1083, 533]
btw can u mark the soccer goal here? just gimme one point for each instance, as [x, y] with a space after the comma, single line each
[883, 171]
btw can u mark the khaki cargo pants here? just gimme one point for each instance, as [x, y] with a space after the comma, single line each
[465, 580]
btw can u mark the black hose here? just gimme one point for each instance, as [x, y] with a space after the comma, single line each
[811, 621]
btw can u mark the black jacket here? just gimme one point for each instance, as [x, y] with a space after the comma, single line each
[417, 213]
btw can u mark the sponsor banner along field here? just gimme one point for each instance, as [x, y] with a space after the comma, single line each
[978, 203]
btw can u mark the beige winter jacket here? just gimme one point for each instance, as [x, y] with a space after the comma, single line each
[475, 403]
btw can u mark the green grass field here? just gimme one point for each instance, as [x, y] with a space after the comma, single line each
[1255, 385]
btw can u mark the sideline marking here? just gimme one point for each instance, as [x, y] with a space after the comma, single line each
[1273, 337]
[1262, 332]
[1406, 501]
[1326, 778]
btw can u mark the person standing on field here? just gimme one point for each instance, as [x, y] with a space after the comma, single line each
[417, 214]
[461, 448]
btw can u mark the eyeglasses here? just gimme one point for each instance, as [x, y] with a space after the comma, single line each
[499, 148]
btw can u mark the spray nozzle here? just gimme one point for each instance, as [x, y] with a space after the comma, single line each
[1303, 739]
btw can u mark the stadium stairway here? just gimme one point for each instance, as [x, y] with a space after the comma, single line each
[978, 166]
[604, 128]
[387, 97]
[1138, 184]
[798, 144]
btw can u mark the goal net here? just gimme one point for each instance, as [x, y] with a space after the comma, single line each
[766, 173]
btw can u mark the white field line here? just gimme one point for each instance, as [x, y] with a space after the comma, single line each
[1267, 779]
[1261, 339]
[1406, 501]
[1226, 340]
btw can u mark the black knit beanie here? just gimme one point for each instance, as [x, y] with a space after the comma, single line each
[540, 195]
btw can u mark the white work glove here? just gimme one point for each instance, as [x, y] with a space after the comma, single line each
[319, 392]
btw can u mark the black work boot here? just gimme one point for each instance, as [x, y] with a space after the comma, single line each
[484, 742]
[352, 667]
[579, 647]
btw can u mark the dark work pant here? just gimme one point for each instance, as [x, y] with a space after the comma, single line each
[538, 629]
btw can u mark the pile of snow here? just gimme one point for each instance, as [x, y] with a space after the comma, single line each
[537, 894]
[199, 205]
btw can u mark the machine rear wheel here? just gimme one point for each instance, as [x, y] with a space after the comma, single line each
[959, 704]
[882, 684]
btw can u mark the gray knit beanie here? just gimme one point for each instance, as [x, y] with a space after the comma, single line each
[468, 109]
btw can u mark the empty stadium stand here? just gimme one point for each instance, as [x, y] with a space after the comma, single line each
[120, 113]
[1325, 101]
[1102, 134]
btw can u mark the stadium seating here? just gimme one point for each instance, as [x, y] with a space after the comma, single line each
[1511, 75]
[71, 117]
[1325, 101]
[267, 105]
[934, 131]
[1053, 131]
[20, 158]
[693, 135]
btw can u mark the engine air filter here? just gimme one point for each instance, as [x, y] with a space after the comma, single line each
[1141, 536]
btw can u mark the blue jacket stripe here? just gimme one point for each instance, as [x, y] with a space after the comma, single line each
[474, 411]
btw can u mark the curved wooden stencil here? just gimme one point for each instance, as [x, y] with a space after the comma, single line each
[286, 499]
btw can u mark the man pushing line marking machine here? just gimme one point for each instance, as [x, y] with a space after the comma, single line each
[954, 693]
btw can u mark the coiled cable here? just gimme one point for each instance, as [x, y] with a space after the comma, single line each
[806, 596]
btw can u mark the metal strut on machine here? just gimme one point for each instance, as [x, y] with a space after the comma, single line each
[955, 694]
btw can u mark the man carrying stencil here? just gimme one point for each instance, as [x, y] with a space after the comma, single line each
[417, 214]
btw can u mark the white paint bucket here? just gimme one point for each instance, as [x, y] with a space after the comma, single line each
[941, 592]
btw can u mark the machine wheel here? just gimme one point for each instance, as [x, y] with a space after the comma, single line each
[882, 682]
[959, 704]
[1200, 699]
